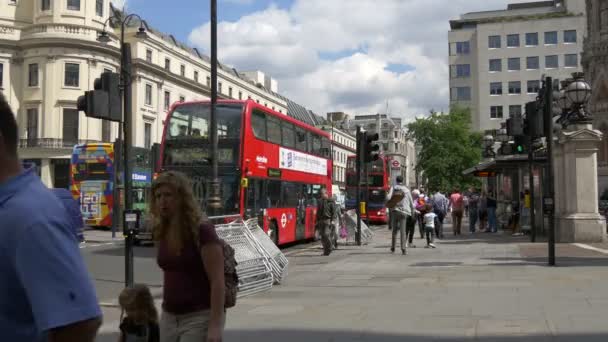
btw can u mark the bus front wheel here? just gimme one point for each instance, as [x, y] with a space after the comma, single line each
[273, 232]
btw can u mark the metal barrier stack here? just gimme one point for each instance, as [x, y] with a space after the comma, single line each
[350, 218]
[253, 269]
[277, 260]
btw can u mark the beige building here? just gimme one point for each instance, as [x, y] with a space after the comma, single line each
[49, 56]
[595, 65]
[497, 58]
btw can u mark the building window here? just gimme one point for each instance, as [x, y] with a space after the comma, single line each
[106, 130]
[147, 135]
[74, 5]
[167, 64]
[463, 48]
[196, 76]
[182, 70]
[460, 70]
[533, 86]
[570, 36]
[148, 94]
[72, 75]
[230, 92]
[182, 99]
[32, 123]
[494, 42]
[208, 81]
[219, 87]
[515, 87]
[551, 37]
[513, 40]
[496, 88]
[514, 110]
[495, 65]
[496, 112]
[148, 55]
[532, 62]
[167, 103]
[45, 5]
[551, 62]
[32, 75]
[457, 94]
[532, 39]
[513, 64]
[571, 60]
[240, 95]
[70, 125]
[99, 8]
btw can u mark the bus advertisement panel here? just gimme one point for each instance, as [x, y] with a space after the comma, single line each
[270, 166]
[91, 179]
[376, 185]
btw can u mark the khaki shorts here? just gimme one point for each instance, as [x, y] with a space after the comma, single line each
[191, 327]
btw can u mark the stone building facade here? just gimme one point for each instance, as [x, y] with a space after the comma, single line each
[595, 66]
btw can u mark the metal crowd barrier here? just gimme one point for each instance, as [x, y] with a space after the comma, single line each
[253, 269]
[277, 260]
[350, 219]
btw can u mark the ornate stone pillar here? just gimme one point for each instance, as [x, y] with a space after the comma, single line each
[579, 220]
[560, 196]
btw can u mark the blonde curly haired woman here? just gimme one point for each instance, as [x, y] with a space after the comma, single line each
[191, 257]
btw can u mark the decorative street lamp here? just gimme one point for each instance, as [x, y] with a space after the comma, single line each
[578, 93]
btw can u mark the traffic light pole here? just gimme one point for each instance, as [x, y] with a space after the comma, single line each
[213, 200]
[358, 163]
[550, 199]
[128, 142]
[531, 182]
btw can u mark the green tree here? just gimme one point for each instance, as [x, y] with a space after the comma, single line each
[447, 147]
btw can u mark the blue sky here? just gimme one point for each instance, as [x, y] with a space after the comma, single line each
[330, 55]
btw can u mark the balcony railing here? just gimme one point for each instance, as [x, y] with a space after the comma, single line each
[52, 143]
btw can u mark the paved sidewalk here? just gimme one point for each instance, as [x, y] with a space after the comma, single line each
[485, 287]
[102, 236]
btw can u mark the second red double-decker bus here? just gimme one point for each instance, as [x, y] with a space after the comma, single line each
[376, 185]
[270, 165]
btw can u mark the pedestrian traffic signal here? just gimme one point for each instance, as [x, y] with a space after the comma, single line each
[371, 151]
[521, 144]
[104, 101]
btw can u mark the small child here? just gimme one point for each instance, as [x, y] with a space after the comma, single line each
[141, 321]
[429, 225]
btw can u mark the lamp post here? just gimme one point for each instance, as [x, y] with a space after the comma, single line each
[578, 93]
[125, 86]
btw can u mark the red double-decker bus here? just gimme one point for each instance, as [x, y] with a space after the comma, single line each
[377, 186]
[270, 165]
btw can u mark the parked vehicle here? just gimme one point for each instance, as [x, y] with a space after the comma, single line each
[73, 209]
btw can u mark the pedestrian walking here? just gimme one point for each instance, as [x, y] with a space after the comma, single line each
[430, 219]
[192, 259]
[337, 220]
[440, 205]
[482, 212]
[473, 209]
[420, 202]
[492, 205]
[457, 205]
[401, 214]
[140, 321]
[325, 214]
[46, 293]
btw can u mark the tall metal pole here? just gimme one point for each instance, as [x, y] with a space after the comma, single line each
[214, 200]
[127, 98]
[549, 201]
[531, 182]
[358, 163]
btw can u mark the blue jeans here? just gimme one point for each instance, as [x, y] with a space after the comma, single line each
[492, 220]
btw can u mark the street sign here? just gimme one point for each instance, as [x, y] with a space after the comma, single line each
[396, 164]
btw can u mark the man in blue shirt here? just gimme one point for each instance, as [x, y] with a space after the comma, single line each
[46, 293]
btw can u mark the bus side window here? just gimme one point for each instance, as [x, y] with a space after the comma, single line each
[301, 140]
[258, 124]
[273, 193]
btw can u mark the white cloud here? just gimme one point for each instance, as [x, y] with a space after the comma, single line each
[367, 35]
[120, 4]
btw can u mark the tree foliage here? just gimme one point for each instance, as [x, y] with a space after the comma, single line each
[446, 147]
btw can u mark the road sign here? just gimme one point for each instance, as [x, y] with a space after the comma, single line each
[396, 163]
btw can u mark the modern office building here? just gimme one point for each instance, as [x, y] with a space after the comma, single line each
[497, 58]
[49, 55]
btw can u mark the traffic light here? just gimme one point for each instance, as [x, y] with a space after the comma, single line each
[371, 151]
[104, 101]
[515, 126]
[534, 119]
[521, 144]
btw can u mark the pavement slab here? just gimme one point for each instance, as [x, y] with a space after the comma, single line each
[479, 287]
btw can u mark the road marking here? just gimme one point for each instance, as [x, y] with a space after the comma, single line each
[86, 245]
[591, 248]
